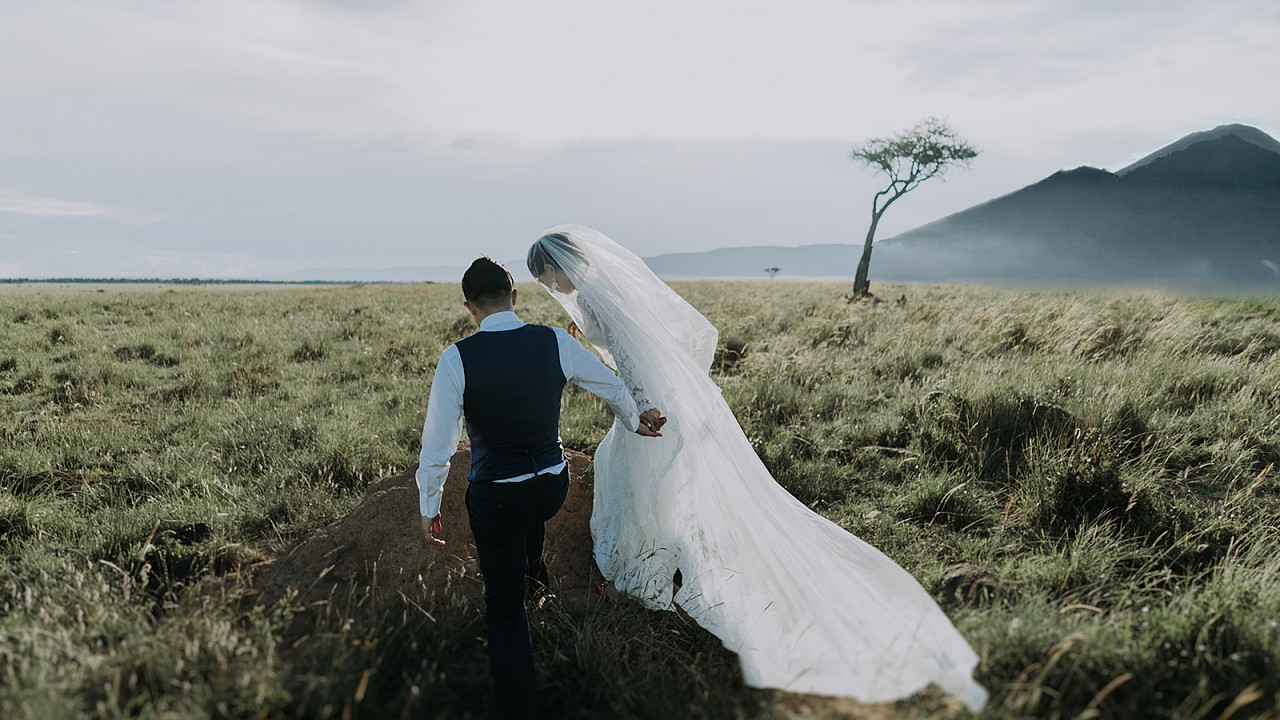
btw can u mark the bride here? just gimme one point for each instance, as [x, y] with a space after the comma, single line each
[807, 606]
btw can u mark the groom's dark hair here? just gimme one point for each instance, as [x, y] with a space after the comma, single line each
[486, 283]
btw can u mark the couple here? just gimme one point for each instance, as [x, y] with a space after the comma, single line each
[807, 606]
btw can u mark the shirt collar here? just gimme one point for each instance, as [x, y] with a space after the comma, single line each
[498, 321]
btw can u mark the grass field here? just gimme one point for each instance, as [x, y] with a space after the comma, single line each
[1112, 461]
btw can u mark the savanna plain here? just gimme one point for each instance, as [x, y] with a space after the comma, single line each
[1107, 462]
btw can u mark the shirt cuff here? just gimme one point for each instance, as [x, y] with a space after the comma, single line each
[631, 422]
[429, 505]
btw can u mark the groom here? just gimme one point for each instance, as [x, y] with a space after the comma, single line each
[506, 382]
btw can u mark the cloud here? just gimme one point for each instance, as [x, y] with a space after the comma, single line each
[45, 207]
[149, 77]
[284, 132]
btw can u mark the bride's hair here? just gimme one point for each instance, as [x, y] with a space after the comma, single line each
[623, 295]
[547, 248]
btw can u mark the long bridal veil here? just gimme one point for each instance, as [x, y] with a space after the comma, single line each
[808, 606]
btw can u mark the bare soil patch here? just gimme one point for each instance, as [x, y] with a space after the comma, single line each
[377, 555]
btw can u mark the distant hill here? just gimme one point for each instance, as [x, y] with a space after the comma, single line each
[1204, 210]
[399, 274]
[409, 274]
[750, 262]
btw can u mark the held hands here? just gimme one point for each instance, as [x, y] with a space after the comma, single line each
[433, 529]
[574, 330]
[651, 422]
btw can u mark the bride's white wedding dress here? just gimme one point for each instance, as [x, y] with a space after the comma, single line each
[808, 606]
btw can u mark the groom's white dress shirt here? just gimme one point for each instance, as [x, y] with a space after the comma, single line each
[443, 426]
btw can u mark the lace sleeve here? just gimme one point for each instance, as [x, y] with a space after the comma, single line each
[622, 359]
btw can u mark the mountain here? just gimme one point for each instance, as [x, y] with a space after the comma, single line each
[1243, 132]
[1225, 163]
[1203, 209]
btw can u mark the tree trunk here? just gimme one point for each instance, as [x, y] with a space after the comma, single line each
[861, 286]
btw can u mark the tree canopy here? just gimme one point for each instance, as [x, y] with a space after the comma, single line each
[913, 156]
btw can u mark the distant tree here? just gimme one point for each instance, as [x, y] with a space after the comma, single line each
[772, 271]
[908, 159]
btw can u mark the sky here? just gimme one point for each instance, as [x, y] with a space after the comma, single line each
[271, 138]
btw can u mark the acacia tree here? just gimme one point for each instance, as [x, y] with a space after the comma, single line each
[909, 158]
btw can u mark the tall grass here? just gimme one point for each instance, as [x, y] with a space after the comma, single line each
[1113, 459]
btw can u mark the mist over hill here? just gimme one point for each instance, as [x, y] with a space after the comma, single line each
[813, 261]
[1204, 210]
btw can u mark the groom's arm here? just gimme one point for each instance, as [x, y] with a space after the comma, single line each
[440, 431]
[584, 369]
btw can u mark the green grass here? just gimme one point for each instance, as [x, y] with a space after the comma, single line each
[1113, 457]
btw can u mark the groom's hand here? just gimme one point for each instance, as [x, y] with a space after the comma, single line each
[433, 529]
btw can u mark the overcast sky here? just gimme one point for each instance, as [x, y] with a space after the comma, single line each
[262, 137]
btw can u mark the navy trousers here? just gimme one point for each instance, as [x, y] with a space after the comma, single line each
[508, 521]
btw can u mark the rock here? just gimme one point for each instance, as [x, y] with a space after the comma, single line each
[964, 584]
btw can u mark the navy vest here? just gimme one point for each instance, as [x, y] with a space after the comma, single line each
[511, 401]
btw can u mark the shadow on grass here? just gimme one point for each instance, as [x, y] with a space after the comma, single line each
[617, 661]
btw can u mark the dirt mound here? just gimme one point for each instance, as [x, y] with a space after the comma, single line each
[376, 555]
[375, 558]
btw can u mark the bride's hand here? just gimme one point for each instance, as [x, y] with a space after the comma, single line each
[653, 420]
[573, 329]
[647, 431]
